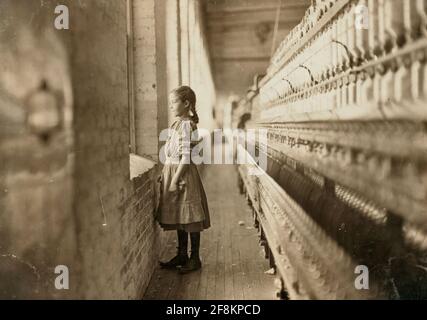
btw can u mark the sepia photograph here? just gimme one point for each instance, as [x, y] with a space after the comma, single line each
[213, 150]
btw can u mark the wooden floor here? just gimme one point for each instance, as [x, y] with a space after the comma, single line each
[233, 262]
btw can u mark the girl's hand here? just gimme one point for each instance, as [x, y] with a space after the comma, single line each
[173, 191]
[176, 188]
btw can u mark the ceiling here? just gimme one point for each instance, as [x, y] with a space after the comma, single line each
[240, 37]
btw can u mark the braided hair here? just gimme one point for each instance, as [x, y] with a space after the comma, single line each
[185, 93]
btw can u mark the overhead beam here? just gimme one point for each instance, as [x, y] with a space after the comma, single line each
[227, 8]
[238, 26]
[241, 58]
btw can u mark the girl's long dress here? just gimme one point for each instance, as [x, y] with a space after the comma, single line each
[189, 211]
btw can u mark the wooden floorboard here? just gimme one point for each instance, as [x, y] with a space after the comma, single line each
[228, 269]
[233, 266]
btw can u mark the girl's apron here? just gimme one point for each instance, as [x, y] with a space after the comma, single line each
[189, 211]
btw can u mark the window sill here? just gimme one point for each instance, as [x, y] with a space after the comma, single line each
[139, 165]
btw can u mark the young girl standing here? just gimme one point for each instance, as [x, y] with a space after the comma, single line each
[183, 203]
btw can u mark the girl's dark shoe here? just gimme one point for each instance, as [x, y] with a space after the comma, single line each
[182, 257]
[192, 264]
[179, 260]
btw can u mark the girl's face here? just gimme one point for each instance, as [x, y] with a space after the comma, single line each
[177, 106]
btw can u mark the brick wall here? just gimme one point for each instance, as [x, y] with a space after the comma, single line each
[74, 203]
[118, 258]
